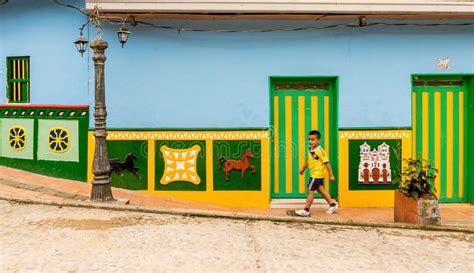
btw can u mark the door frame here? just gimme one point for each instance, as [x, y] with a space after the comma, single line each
[334, 143]
[468, 131]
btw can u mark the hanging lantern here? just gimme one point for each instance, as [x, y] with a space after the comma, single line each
[81, 44]
[123, 35]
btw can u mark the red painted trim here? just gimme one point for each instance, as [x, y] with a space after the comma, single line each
[15, 105]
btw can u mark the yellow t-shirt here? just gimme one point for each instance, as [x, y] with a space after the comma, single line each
[317, 159]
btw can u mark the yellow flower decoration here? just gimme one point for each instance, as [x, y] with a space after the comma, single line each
[17, 138]
[59, 140]
[180, 165]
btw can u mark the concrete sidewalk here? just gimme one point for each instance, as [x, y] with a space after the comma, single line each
[16, 184]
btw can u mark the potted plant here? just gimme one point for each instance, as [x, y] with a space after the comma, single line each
[415, 199]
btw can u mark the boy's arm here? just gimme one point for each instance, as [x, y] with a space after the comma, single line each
[305, 165]
[331, 175]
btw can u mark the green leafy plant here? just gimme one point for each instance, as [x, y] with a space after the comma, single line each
[418, 179]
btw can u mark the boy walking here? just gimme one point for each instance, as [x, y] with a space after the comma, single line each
[317, 162]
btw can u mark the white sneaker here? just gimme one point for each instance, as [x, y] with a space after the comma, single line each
[331, 210]
[302, 213]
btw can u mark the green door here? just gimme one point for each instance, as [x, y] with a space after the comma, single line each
[299, 105]
[439, 131]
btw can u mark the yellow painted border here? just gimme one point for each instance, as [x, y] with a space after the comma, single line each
[256, 199]
[367, 199]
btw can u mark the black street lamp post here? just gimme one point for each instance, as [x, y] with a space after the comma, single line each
[101, 184]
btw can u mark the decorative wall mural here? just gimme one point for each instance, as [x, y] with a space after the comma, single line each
[240, 166]
[59, 140]
[180, 165]
[127, 165]
[48, 139]
[17, 138]
[237, 165]
[374, 165]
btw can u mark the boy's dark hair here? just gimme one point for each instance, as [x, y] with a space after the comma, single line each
[315, 133]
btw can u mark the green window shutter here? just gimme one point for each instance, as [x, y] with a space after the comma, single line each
[18, 79]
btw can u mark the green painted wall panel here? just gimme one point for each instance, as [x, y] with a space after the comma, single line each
[234, 150]
[119, 150]
[180, 185]
[61, 169]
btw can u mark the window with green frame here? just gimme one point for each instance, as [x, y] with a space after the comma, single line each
[18, 79]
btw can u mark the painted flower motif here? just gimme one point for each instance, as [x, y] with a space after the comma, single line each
[17, 138]
[59, 140]
[180, 165]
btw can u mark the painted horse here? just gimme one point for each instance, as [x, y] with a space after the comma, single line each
[121, 167]
[241, 165]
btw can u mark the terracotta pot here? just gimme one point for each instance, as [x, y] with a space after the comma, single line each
[416, 211]
[405, 208]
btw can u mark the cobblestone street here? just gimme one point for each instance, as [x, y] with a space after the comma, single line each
[37, 238]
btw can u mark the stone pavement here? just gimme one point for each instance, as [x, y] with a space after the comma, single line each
[24, 185]
[39, 238]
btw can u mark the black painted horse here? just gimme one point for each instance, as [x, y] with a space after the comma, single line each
[121, 167]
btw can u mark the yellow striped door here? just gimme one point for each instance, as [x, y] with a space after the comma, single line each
[296, 109]
[439, 133]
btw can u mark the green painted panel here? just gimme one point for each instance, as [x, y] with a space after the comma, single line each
[469, 145]
[355, 158]
[455, 147]
[283, 172]
[281, 146]
[61, 169]
[180, 185]
[234, 150]
[443, 142]
[419, 124]
[431, 127]
[294, 145]
[119, 150]
[18, 138]
[443, 137]
[66, 148]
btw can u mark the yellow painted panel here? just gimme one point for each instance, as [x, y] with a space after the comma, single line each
[90, 156]
[288, 144]
[326, 136]
[276, 151]
[437, 145]
[23, 69]
[301, 141]
[367, 198]
[257, 199]
[151, 165]
[461, 145]
[413, 123]
[449, 144]
[18, 90]
[314, 113]
[425, 126]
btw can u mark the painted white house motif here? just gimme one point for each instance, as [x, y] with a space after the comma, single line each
[374, 166]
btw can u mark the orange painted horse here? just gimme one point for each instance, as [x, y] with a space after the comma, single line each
[235, 165]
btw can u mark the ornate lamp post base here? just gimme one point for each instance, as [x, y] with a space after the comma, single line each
[101, 185]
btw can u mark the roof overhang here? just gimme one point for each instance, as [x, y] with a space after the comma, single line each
[449, 8]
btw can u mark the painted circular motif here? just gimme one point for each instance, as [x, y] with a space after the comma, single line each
[59, 140]
[17, 138]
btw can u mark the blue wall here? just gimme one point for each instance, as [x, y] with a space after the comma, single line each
[191, 79]
[45, 32]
